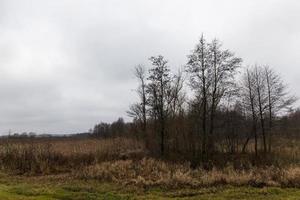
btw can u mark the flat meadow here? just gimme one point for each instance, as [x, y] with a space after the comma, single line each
[122, 168]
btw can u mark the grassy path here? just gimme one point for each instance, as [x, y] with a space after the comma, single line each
[12, 188]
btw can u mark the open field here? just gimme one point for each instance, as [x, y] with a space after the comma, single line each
[122, 169]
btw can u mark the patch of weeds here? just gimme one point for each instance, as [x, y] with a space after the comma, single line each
[79, 189]
[25, 190]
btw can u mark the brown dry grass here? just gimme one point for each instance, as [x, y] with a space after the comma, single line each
[70, 146]
[151, 172]
[126, 161]
[57, 156]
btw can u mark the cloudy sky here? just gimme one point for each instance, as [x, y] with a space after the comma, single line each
[67, 64]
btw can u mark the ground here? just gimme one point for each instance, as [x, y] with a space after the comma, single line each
[50, 188]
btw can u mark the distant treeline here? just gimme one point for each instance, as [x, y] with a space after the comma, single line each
[36, 135]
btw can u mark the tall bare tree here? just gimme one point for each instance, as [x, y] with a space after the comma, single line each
[158, 90]
[248, 96]
[198, 68]
[278, 98]
[223, 67]
[212, 71]
[266, 96]
[260, 87]
[138, 110]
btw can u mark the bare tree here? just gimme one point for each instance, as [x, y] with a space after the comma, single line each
[138, 110]
[266, 96]
[198, 68]
[158, 90]
[260, 87]
[223, 66]
[212, 71]
[278, 98]
[248, 96]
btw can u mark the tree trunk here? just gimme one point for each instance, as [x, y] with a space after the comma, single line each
[270, 110]
[204, 114]
[251, 97]
[213, 106]
[262, 122]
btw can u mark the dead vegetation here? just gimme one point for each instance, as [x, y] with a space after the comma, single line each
[126, 162]
[150, 172]
[61, 156]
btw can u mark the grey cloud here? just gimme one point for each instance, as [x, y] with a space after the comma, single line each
[67, 64]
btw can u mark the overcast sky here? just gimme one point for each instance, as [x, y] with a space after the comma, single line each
[67, 64]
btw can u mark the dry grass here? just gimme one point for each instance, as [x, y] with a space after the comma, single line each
[70, 146]
[150, 172]
[126, 161]
[60, 156]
